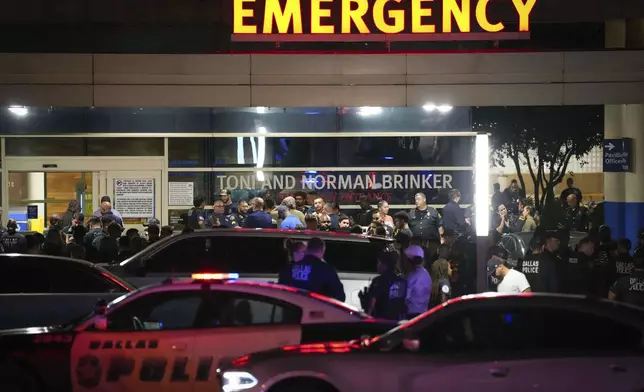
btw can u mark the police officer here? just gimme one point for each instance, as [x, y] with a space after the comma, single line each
[453, 215]
[630, 289]
[312, 273]
[387, 292]
[540, 271]
[12, 241]
[424, 221]
[196, 217]
[575, 269]
[219, 219]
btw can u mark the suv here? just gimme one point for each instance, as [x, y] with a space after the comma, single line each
[256, 254]
[43, 290]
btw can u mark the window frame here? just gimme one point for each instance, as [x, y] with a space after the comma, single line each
[170, 295]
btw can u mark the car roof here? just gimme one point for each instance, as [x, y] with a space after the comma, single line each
[84, 263]
[563, 301]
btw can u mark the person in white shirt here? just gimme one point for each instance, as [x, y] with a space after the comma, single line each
[419, 283]
[512, 281]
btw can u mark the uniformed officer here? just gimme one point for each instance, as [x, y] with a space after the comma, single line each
[387, 292]
[424, 221]
[540, 271]
[12, 241]
[630, 289]
[219, 218]
[312, 273]
[196, 218]
[576, 268]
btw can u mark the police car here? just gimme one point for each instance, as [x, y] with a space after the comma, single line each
[172, 335]
[484, 343]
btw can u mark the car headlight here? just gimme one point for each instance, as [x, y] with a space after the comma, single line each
[237, 381]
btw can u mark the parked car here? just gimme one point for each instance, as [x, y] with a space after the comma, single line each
[44, 290]
[172, 335]
[256, 254]
[484, 343]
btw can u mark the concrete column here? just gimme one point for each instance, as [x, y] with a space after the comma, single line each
[634, 183]
[614, 183]
[36, 190]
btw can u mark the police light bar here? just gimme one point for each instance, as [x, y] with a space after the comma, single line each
[211, 276]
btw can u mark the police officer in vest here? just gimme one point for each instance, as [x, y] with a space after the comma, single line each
[11, 240]
[424, 221]
[575, 270]
[387, 292]
[196, 217]
[541, 270]
[630, 289]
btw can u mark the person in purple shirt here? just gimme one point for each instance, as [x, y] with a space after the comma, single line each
[258, 219]
[99, 212]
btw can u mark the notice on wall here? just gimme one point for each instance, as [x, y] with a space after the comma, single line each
[134, 197]
[181, 193]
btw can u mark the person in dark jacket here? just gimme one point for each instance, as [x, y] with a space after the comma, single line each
[72, 208]
[196, 217]
[424, 221]
[312, 273]
[387, 292]
[453, 217]
[541, 273]
[258, 219]
[12, 241]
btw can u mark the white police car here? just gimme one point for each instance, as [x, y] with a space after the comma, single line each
[482, 343]
[172, 335]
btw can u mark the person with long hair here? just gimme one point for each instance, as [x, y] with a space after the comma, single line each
[383, 214]
[441, 271]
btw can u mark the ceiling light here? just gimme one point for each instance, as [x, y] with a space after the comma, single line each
[366, 111]
[261, 109]
[19, 111]
[444, 108]
[430, 107]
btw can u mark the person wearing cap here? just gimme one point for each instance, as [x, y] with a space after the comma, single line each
[630, 289]
[12, 241]
[288, 202]
[497, 255]
[288, 221]
[99, 212]
[385, 297]
[419, 283]
[229, 206]
[512, 281]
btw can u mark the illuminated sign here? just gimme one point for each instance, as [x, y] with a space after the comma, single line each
[292, 19]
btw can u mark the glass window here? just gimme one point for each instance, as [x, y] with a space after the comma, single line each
[251, 255]
[533, 329]
[237, 309]
[321, 151]
[46, 146]
[185, 255]
[135, 146]
[351, 256]
[75, 279]
[169, 310]
[23, 275]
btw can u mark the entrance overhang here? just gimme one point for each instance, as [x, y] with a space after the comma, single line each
[306, 80]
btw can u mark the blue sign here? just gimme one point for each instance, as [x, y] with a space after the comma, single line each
[32, 212]
[618, 155]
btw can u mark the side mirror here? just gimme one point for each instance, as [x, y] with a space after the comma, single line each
[100, 310]
[412, 345]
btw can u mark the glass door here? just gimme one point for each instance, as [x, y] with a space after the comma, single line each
[36, 196]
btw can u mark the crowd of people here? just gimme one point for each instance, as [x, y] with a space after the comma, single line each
[100, 238]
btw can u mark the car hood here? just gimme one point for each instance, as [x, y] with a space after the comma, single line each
[29, 331]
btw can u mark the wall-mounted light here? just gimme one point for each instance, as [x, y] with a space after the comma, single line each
[18, 111]
[430, 107]
[481, 184]
[367, 111]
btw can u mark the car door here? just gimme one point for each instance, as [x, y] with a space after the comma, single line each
[454, 354]
[148, 344]
[239, 323]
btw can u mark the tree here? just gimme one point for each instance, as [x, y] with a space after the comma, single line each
[542, 139]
